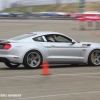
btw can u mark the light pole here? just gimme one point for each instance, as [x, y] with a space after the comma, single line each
[58, 1]
[81, 5]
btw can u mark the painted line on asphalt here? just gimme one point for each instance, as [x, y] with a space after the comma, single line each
[78, 82]
[56, 95]
[55, 75]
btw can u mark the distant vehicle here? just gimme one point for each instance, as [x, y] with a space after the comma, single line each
[5, 14]
[73, 14]
[33, 48]
[91, 12]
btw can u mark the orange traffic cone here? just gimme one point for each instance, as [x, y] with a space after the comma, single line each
[45, 68]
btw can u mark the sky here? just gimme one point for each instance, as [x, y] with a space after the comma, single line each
[6, 3]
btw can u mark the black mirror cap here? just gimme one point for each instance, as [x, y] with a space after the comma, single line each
[73, 42]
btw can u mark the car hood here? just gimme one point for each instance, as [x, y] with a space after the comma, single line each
[89, 43]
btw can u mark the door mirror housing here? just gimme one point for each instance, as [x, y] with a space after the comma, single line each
[73, 41]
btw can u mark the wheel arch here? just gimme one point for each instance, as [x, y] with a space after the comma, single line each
[91, 52]
[33, 50]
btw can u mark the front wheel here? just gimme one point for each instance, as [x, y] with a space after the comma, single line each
[11, 65]
[94, 58]
[32, 59]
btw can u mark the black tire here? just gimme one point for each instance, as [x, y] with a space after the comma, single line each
[92, 57]
[28, 59]
[11, 65]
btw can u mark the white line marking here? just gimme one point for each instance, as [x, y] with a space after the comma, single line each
[14, 77]
[44, 84]
[55, 75]
[46, 96]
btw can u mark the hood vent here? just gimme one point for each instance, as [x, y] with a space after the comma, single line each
[86, 45]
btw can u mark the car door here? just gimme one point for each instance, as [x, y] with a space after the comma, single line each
[63, 50]
[41, 45]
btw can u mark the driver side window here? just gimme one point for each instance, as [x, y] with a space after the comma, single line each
[57, 38]
[60, 38]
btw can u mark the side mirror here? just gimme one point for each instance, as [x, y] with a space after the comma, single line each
[73, 42]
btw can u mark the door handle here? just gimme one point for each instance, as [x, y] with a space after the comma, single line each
[53, 46]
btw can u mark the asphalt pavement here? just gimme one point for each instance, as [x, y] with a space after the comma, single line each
[65, 82]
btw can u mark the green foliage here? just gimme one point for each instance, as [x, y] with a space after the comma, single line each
[74, 7]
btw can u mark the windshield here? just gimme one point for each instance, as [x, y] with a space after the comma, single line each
[22, 36]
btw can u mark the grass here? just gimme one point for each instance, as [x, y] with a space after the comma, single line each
[74, 7]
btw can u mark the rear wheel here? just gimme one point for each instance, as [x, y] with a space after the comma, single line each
[94, 58]
[32, 59]
[11, 65]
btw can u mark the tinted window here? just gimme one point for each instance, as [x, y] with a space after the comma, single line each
[50, 38]
[39, 39]
[57, 38]
[22, 36]
[60, 38]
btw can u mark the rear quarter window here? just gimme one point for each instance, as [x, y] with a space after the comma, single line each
[38, 39]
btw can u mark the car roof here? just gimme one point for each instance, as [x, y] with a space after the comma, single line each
[44, 33]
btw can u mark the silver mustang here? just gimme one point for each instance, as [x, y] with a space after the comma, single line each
[33, 48]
